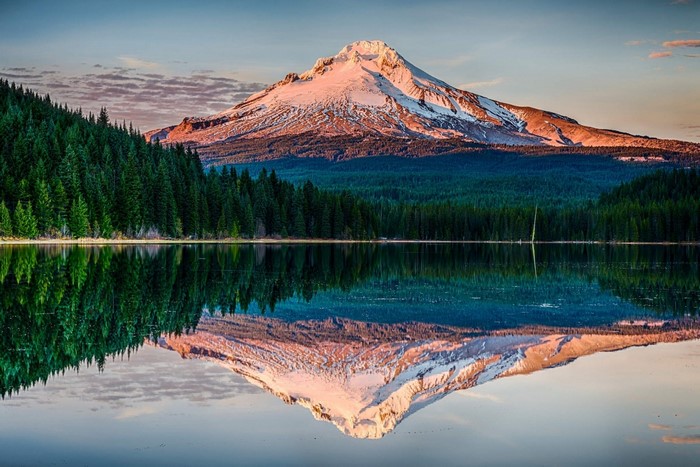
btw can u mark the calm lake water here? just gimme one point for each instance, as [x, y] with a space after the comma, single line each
[349, 354]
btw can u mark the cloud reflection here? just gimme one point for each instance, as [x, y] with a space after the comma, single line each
[660, 54]
[683, 43]
[133, 412]
[690, 439]
[136, 385]
[657, 426]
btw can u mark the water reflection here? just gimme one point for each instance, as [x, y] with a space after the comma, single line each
[361, 334]
[366, 377]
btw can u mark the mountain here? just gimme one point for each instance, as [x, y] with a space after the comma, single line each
[370, 90]
[367, 377]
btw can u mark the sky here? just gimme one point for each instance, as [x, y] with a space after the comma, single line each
[632, 66]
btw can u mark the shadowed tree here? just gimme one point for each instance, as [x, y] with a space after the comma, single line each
[103, 118]
[5, 221]
[44, 208]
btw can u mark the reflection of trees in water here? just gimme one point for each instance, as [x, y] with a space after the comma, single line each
[665, 280]
[62, 306]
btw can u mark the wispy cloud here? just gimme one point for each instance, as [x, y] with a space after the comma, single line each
[682, 43]
[656, 426]
[481, 84]
[133, 412]
[146, 98]
[692, 130]
[637, 42]
[691, 439]
[673, 45]
[133, 62]
[681, 2]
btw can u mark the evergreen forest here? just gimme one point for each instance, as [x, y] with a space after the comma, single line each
[63, 174]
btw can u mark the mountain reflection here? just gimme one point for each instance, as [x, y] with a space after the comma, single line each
[366, 377]
[61, 306]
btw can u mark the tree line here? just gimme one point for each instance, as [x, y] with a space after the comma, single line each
[661, 206]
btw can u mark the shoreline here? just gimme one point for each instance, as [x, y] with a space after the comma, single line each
[320, 241]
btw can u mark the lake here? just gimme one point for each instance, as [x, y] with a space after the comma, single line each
[377, 354]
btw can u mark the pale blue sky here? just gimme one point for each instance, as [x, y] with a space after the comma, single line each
[161, 61]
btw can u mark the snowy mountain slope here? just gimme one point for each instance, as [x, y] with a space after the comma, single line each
[366, 377]
[368, 88]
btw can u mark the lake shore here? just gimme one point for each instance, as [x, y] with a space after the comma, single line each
[282, 241]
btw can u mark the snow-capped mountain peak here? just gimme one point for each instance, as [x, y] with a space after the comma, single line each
[368, 88]
[358, 54]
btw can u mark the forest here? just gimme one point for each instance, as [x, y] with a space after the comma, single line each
[482, 180]
[661, 206]
[68, 175]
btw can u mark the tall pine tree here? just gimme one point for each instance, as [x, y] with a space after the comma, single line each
[79, 226]
[5, 221]
[25, 222]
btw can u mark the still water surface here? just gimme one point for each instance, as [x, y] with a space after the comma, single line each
[346, 354]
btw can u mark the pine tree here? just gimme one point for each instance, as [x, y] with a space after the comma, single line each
[44, 209]
[221, 230]
[103, 119]
[235, 230]
[299, 227]
[106, 227]
[78, 223]
[227, 213]
[165, 202]
[25, 222]
[326, 222]
[60, 205]
[68, 173]
[248, 224]
[130, 190]
[338, 221]
[5, 221]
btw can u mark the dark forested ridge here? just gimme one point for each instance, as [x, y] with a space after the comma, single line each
[663, 206]
[342, 148]
[482, 180]
[63, 174]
